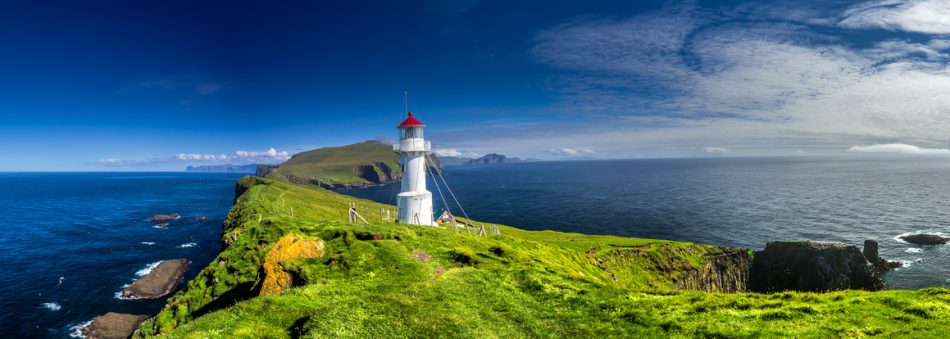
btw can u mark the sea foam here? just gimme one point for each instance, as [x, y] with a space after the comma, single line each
[52, 306]
[75, 331]
[914, 250]
[187, 245]
[148, 269]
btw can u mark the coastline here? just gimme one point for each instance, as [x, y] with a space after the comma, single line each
[234, 279]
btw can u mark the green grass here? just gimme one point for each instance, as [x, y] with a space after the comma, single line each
[335, 164]
[422, 281]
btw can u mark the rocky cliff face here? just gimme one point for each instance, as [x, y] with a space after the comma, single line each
[725, 270]
[812, 266]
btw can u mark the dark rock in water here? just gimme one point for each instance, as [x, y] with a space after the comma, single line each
[925, 239]
[161, 281]
[164, 217]
[871, 254]
[871, 250]
[113, 326]
[812, 266]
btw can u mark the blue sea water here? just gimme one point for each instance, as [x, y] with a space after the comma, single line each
[71, 241]
[742, 202]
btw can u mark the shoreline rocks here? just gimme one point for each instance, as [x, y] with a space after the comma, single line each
[113, 326]
[812, 266]
[164, 217]
[925, 239]
[160, 282]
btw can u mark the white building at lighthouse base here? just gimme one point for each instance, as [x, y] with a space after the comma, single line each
[416, 207]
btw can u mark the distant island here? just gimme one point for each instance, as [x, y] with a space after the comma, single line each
[488, 159]
[249, 168]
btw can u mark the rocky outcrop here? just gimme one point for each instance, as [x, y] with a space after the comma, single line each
[163, 217]
[277, 277]
[925, 239]
[378, 173]
[160, 282]
[871, 254]
[812, 266]
[725, 270]
[113, 326]
[263, 170]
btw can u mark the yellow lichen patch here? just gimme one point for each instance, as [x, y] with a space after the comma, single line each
[289, 247]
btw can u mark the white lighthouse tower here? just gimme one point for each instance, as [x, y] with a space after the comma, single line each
[414, 201]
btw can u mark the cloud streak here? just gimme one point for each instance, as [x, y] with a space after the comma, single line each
[269, 156]
[899, 149]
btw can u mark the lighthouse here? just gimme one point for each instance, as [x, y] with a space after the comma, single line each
[414, 201]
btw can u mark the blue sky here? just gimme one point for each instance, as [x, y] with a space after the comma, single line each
[161, 85]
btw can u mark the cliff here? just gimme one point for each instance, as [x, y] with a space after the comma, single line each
[392, 280]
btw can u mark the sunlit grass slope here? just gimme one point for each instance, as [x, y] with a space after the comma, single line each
[335, 164]
[421, 281]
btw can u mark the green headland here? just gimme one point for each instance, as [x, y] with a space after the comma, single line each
[293, 266]
[364, 163]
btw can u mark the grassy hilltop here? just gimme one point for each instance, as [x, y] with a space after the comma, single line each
[335, 165]
[422, 281]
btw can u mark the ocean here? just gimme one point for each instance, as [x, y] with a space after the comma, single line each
[72, 241]
[741, 202]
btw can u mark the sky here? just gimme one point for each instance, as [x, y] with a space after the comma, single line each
[135, 85]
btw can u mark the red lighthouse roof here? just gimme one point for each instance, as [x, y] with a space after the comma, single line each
[410, 122]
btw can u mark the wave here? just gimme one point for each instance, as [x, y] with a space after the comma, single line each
[914, 250]
[148, 243]
[148, 269]
[187, 245]
[52, 306]
[118, 295]
[75, 331]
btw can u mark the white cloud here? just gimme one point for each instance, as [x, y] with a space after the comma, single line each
[201, 157]
[456, 153]
[899, 149]
[109, 162]
[573, 151]
[268, 154]
[681, 79]
[922, 16]
[709, 149]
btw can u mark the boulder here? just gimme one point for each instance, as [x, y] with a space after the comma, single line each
[925, 239]
[164, 217]
[812, 266]
[113, 326]
[277, 278]
[160, 282]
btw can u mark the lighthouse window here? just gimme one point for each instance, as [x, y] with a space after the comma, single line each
[413, 132]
